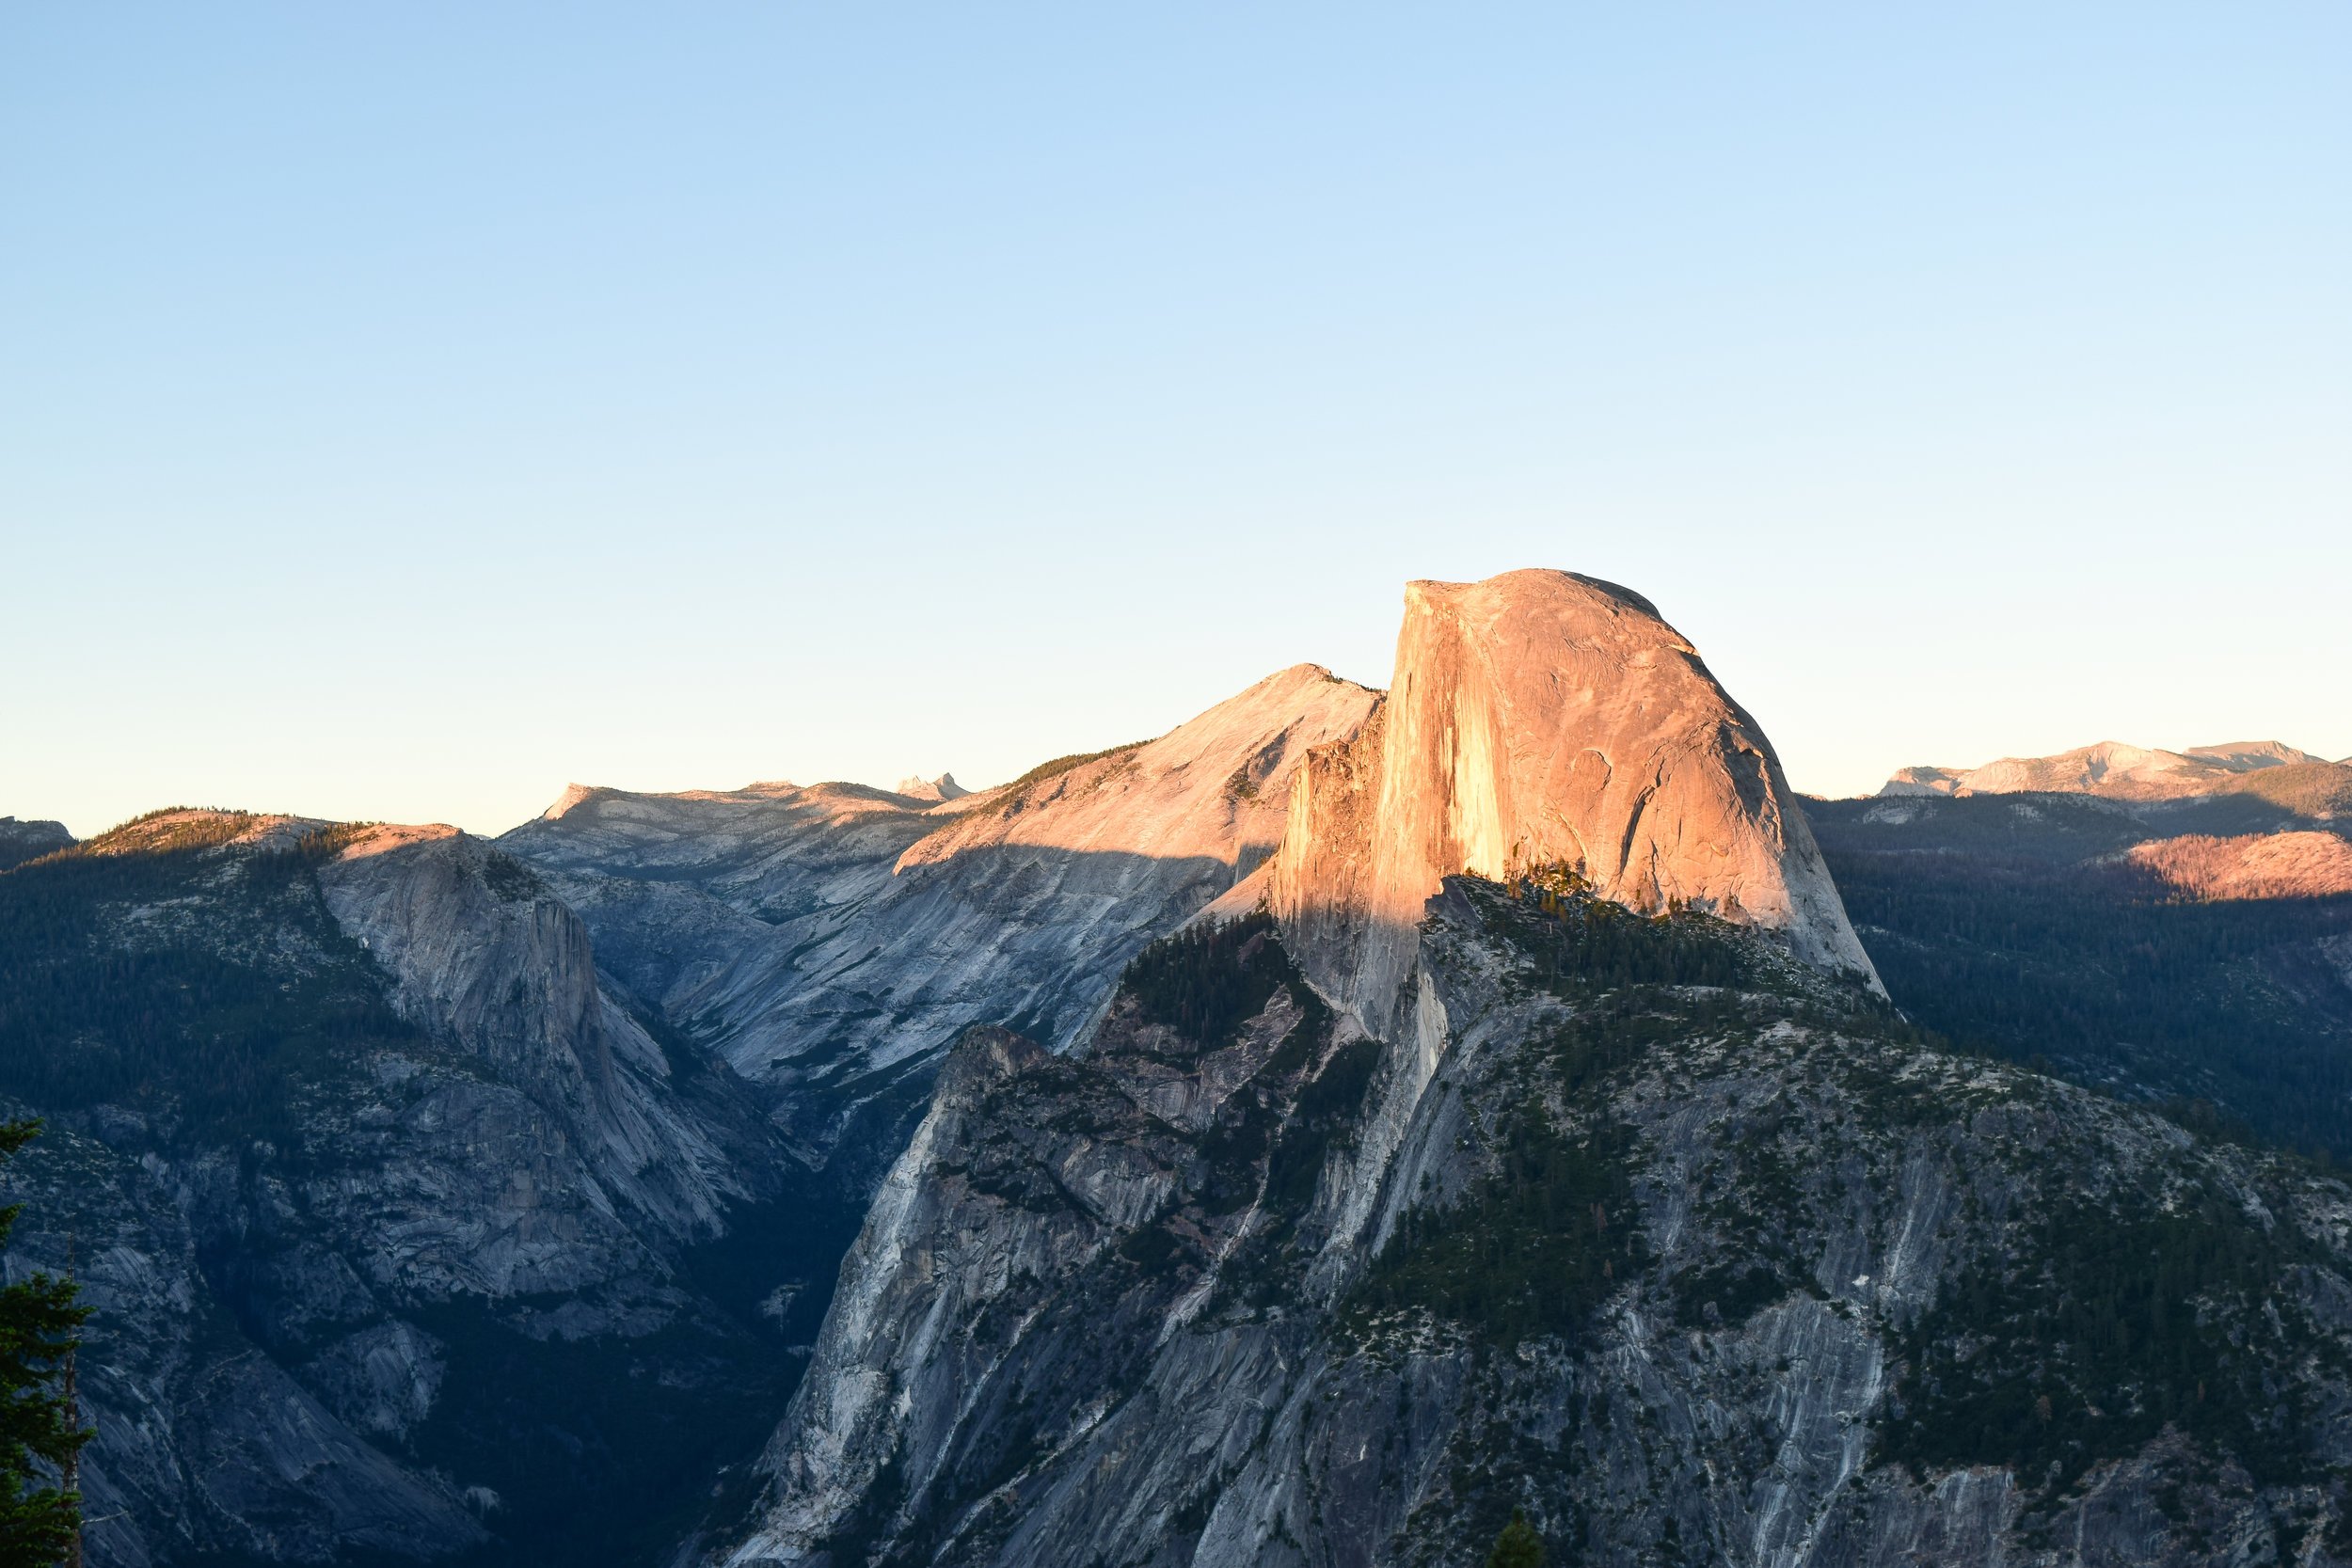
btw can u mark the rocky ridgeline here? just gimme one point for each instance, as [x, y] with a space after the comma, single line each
[832, 942]
[2251, 772]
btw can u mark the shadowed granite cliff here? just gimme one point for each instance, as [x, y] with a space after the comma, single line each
[366, 1171]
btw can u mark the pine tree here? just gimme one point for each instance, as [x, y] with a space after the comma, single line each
[40, 1523]
[1518, 1545]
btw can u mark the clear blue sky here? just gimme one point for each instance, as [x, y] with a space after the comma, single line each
[407, 409]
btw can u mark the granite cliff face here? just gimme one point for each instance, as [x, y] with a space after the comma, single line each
[395, 1219]
[831, 943]
[1731, 1271]
[208, 1447]
[479, 954]
[1544, 720]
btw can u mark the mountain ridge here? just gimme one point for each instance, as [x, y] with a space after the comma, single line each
[831, 941]
[2113, 770]
[1296, 1140]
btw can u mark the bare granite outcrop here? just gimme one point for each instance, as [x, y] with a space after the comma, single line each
[1542, 719]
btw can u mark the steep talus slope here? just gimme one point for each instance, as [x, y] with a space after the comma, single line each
[2115, 941]
[404, 1236]
[831, 943]
[1693, 1254]
[1540, 719]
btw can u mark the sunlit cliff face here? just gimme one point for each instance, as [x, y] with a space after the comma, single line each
[1214, 788]
[1540, 719]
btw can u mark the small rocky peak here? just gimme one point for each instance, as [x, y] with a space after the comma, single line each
[1541, 718]
[25, 841]
[944, 787]
[574, 797]
[1922, 780]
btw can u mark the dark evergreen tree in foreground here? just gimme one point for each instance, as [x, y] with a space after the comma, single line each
[1518, 1545]
[40, 1523]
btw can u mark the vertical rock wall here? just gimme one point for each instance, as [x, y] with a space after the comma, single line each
[1537, 719]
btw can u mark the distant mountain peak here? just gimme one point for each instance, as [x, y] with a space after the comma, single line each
[916, 788]
[573, 796]
[24, 841]
[2111, 768]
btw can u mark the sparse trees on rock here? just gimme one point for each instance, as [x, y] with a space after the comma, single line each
[41, 1520]
[1518, 1545]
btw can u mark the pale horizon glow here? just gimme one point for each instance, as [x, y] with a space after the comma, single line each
[407, 413]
